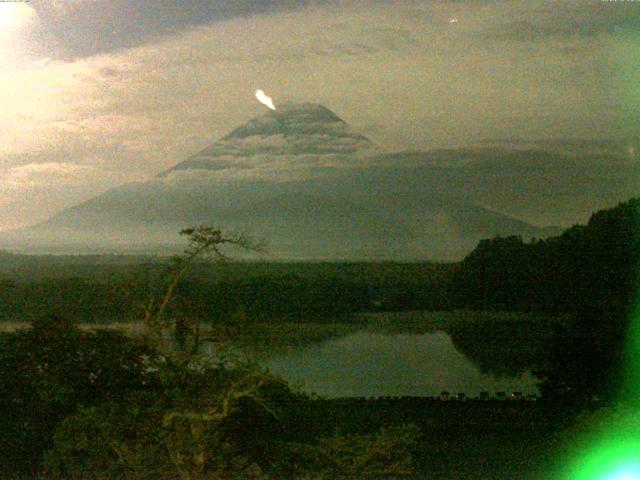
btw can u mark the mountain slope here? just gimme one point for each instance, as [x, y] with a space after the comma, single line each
[307, 182]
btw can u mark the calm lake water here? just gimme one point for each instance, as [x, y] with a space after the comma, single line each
[365, 364]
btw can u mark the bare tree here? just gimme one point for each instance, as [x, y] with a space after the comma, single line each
[184, 427]
[204, 242]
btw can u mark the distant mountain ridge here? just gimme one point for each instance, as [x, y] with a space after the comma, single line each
[317, 189]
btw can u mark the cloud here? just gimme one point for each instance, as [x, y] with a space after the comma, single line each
[90, 27]
[132, 112]
[46, 174]
[32, 192]
[563, 20]
[67, 175]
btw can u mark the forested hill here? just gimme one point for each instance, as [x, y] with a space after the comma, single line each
[591, 267]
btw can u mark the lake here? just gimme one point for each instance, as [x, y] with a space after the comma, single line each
[366, 363]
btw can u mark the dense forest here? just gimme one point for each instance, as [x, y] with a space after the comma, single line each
[101, 290]
[589, 267]
[590, 271]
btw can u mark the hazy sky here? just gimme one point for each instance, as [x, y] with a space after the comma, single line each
[95, 93]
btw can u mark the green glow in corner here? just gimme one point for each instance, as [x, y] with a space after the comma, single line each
[625, 474]
[613, 451]
[618, 459]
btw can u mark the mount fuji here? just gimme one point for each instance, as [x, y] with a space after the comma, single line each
[306, 182]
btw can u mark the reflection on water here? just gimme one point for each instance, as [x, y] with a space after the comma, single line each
[377, 364]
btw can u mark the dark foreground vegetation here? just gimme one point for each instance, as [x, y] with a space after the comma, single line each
[100, 291]
[101, 405]
[81, 404]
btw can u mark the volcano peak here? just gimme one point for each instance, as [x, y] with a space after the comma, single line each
[308, 132]
[291, 119]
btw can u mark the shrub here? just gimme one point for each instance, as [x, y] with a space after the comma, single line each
[208, 423]
[47, 372]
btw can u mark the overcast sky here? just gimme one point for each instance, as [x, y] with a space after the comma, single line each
[96, 93]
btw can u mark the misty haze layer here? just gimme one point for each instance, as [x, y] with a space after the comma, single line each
[314, 188]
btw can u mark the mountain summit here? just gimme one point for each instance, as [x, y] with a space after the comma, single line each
[310, 132]
[293, 119]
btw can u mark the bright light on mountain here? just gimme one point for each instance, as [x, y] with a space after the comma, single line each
[264, 99]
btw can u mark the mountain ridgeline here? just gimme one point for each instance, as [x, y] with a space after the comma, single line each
[316, 189]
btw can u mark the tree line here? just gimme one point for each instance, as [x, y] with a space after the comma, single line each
[589, 267]
[589, 271]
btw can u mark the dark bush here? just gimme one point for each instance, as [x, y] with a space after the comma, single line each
[47, 372]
